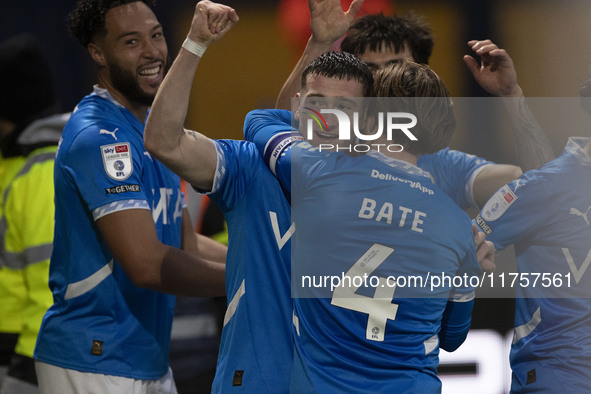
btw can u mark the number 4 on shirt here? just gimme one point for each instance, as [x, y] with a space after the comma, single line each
[379, 307]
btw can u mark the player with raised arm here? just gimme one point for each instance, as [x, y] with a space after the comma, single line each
[379, 39]
[496, 74]
[377, 217]
[256, 351]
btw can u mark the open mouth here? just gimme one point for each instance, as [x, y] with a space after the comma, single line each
[151, 72]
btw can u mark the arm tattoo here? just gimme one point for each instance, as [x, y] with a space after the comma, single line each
[193, 134]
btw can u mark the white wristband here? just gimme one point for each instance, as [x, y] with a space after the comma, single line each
[193, 47]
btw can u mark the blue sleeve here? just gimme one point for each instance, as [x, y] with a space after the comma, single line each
[112, 169]
[469, 267]
[455, 324]
[454, 172]
[456, 319]
[271, 132]
[516, 210]
[238, 163]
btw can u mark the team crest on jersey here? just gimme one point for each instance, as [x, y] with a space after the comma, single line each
[117, 160]
[498, 204]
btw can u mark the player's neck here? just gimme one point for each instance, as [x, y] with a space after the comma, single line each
[140, 111]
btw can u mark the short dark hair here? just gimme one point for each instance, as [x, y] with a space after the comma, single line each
[87, 18]
[371, 31]
[340, 65]
[408, 80]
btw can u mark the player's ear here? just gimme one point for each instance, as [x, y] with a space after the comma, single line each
[97, 54]
[369, 119]
[295, 106]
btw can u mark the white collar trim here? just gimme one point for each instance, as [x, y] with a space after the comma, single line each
[104, 93]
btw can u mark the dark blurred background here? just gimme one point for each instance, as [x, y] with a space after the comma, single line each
[549, 42]
[546, 39]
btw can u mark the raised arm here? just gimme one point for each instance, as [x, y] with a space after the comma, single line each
[496, 74]
[328, 23]
[189, 154]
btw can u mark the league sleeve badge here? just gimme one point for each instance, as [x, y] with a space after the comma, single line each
[117, 160]
[498, 204]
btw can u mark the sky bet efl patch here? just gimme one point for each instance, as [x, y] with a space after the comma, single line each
[117, 160]
[498, 204]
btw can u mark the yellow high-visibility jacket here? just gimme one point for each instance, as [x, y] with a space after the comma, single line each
[26, 227]
[12, 286]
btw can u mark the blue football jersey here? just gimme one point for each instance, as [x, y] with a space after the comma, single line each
[451, 170]
[100, 321]
[545, 213]
[454, 172]
[371, 219]
[256, 351]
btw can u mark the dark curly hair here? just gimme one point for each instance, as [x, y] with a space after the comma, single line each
[340, 65]
[88, 17]
[371, 31]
